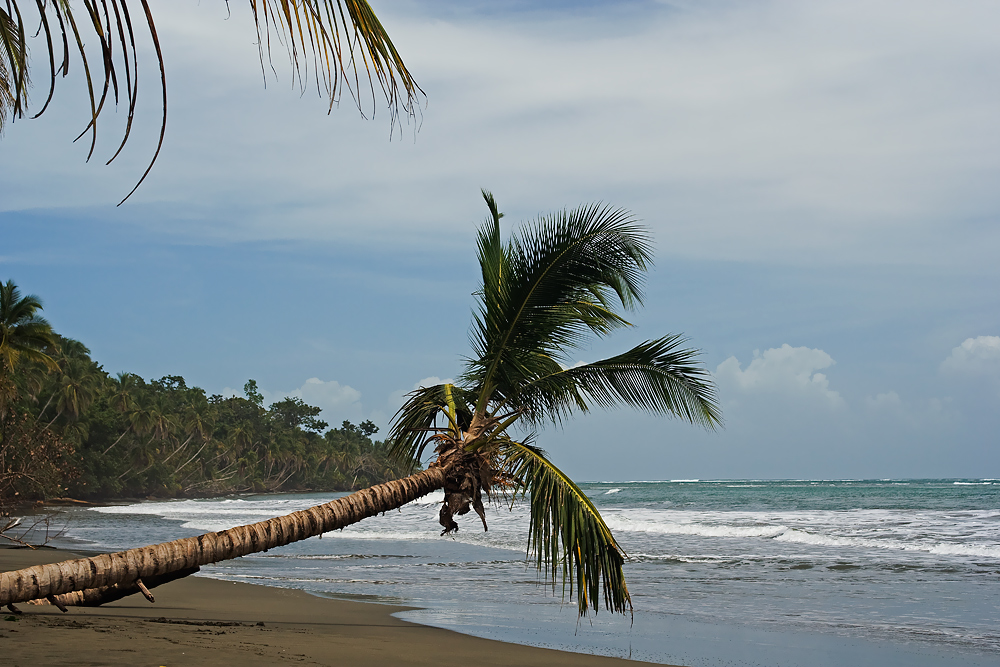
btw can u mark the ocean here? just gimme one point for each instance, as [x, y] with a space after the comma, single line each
[729, 572]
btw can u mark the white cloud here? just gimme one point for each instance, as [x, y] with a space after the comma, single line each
[975, 356]
[329, 395]
[885, 401]
[337, 401]
[431, 381]
[889, 413]
[784, 370]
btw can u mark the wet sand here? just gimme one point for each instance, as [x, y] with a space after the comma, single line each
[201, 621]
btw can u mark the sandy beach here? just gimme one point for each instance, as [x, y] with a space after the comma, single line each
[201, 621]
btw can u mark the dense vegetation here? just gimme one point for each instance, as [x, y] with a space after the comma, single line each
[68, 428]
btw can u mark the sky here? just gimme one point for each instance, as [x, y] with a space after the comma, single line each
[819, 178]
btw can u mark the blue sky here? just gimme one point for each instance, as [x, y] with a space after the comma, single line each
[819, 178]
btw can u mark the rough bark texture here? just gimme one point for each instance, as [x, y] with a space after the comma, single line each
[95, 597]
[124, 567]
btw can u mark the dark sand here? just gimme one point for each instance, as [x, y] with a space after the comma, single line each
[200, 621]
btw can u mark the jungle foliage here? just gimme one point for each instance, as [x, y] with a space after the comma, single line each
[68, 428]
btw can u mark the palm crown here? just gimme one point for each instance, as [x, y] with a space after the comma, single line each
[23, 332]
[545, 292]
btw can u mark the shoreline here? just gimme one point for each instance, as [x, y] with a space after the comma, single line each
[205, 621]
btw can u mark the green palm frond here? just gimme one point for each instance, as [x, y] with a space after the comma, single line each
[554, 284]
[417, 421]
[567, 536]
[340, 43]
[657, 376]
[492, 258]
[13, 65]
[336, 40]
[23, 332]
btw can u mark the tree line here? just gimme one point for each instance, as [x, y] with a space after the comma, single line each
[68, 428]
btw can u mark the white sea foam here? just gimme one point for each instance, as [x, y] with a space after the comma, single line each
[432, 498]
[961, 534]
[610, 491]
[624, 524]
[168, 509]
[991, 551]
[229, 512]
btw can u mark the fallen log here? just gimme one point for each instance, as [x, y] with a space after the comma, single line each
[95, 597]
[125, 567]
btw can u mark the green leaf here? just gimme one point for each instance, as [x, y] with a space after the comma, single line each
[567, 536]
[657, 376]
[554, 284]
[416, 421]
[340, 43]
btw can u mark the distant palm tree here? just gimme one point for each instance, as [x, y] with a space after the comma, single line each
[123, 388]
[78, 384]
[76, 381]
[543, 294]
[338, 42]
[24, 334]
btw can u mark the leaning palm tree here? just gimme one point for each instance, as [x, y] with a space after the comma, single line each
[337, 42]
[544, 292]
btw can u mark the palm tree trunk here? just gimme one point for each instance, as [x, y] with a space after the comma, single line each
[179, 448]
[58, 414]
[117, 441]
[44, 408]
[192, 458]
[124, 567]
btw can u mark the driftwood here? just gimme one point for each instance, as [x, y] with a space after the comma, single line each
[95, 597]
[145, 591]
[53, 600]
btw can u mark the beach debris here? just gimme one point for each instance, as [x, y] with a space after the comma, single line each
[145, 591]
[95, 597]
[210, 624]
[56, 603]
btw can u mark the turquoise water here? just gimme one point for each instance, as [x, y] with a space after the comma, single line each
[873, 572]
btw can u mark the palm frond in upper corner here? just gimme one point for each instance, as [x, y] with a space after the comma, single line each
[337, 40]
[341, 42]
[13, 65]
